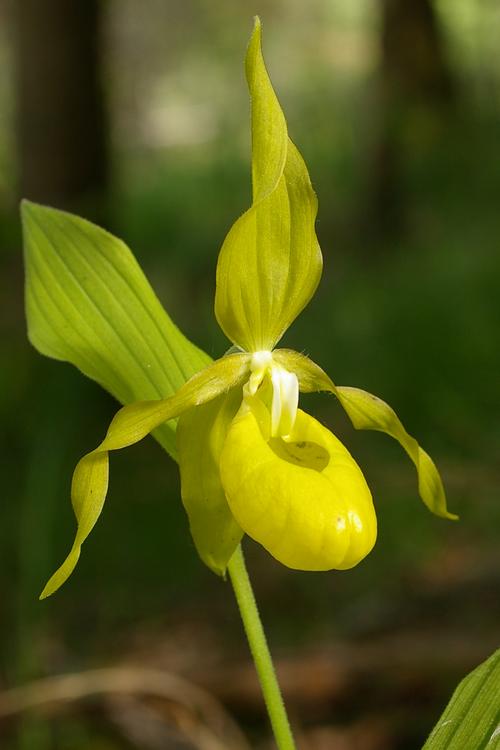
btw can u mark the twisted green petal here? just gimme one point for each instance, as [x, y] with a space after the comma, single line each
[270, 263]
[131, 424]
[368, 412]
[304, 498]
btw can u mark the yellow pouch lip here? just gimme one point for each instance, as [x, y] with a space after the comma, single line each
[308, 519]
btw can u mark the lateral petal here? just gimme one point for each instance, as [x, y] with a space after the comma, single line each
[368, 412]
[129, 425]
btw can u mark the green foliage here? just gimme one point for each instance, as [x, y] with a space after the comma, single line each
[471, 720]
[89, 303]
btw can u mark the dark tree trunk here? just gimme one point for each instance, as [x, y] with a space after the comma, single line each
[413, 64]
[61, 124]
[416, 98]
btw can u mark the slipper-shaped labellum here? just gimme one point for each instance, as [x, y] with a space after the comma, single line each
[303, 497]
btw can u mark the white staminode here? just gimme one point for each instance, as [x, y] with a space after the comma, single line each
[285, 401]
[285, 391]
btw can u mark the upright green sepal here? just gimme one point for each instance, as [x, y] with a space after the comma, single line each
[89, 303]
[269, 143]
[270, 263]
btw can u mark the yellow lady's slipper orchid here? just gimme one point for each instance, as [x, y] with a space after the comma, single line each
[250, 460]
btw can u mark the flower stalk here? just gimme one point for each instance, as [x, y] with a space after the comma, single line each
[260, 651]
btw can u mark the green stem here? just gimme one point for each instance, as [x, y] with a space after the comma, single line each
[260, 651]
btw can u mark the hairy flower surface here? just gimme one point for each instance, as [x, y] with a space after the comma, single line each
[251, 461]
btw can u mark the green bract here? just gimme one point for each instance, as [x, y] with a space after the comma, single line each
[250, 461]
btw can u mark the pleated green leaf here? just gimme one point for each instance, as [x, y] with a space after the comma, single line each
[270, 263]
[201, 433]
[131, 424]
[89, 303]
[368, 412]
[471, 720]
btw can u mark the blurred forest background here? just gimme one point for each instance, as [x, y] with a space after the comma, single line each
[135, 115]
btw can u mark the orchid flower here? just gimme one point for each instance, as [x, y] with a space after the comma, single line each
[251, 461]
